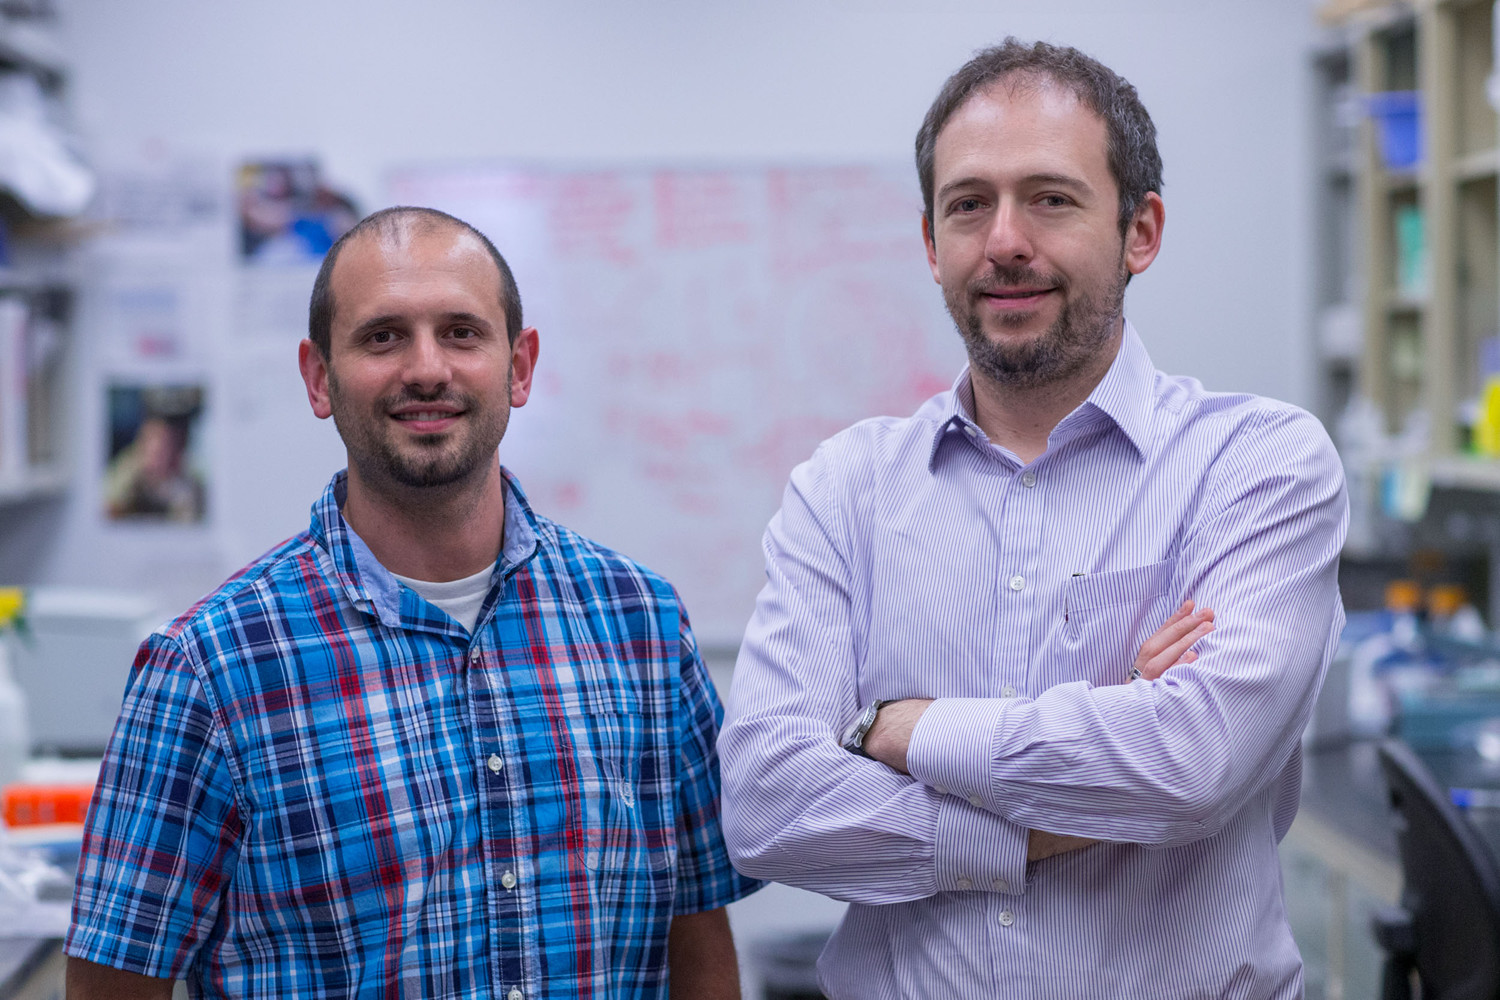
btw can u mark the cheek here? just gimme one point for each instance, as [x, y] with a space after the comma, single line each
[955, 263]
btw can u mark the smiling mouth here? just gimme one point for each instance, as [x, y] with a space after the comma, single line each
[424, 416]
[1025, 293]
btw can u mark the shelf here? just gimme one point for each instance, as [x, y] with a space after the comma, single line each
[1403, 181]
[1405, 304]
[1341, 165]
[36, 484]
[25, 280]
[1477, 166]
[32, 49]
[1469, 472]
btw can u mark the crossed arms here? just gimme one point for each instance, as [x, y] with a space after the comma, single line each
[890, 736]
[1157, 764]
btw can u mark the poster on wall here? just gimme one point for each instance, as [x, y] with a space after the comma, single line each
[287, 214]
[153, 472]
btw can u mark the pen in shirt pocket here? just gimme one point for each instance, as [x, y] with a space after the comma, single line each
[1065, 609]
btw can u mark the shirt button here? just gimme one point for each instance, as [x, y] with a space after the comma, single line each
[1028, 479]
[495, 763]
[965, 883]
[474, 657]
[514, 994]
[940, 789]
[1007, 692]
[975, 800]
[970, 431]
[508, 880]
[1000, 885]
[627, 794]
[1006, 919]
[1017, 582]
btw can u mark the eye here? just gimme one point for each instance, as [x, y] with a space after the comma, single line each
[381, 336]
[463, 333]
[966, 205]
[1055, 200]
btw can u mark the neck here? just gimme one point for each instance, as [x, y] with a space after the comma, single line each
[1021, 417]
[430, 533]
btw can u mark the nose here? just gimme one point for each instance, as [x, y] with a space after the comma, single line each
[1009, 238]
[427, 369]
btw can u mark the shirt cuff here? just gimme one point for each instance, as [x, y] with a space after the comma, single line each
[952, 752]
[952, 747]
[977, 850]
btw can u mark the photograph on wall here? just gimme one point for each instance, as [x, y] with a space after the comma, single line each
[287, 214]
[153, 472]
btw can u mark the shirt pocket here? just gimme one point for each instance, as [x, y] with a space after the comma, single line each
[1107, 616]
[627, 808]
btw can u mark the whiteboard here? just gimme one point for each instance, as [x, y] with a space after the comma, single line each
[701, 331]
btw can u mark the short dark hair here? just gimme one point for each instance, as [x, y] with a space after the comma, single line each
[389, 222]
[1131, 146]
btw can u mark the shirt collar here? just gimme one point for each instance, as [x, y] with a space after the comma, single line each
[1123, 395]
[1126, 391]
[373, 588]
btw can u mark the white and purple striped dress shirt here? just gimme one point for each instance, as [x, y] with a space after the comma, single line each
[912, 558]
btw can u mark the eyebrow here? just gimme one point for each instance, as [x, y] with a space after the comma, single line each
[396, 319]
[1060, 180]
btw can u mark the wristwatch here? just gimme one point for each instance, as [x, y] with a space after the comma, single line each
[854, 736]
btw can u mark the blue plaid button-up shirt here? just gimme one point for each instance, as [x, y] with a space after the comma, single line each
[322, 786]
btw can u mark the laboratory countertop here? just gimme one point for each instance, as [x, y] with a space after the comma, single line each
[1342, 786]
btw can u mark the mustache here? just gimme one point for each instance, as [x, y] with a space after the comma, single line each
[409, 395]
[1002, 278]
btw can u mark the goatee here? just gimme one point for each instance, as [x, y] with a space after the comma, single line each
[1068, 346]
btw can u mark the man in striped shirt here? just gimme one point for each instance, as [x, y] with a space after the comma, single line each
[435, 746]
[959, 596]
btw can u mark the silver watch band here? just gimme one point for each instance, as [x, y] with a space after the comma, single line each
[854, 736]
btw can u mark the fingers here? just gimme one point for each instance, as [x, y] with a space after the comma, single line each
[1172, 644]
[1175, 627]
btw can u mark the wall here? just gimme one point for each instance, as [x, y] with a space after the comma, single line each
[369, 84]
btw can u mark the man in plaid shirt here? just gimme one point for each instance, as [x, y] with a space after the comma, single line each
[435, 746]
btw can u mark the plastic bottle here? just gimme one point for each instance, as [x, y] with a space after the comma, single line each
[1392, 659]
[15, 739]
[1449, 614]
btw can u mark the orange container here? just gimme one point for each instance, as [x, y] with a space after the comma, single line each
[24, 804]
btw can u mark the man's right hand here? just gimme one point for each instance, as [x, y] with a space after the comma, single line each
[1171, 646]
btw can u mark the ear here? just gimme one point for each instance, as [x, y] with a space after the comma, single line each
[1143, 236]
[523, 365]
[315, 376]
[931, 244]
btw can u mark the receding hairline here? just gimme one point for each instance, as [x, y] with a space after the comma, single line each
[401, 228]
[1025, 82]
[398, 229]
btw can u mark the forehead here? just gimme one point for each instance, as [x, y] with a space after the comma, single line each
[1024, 123]
[414, 269]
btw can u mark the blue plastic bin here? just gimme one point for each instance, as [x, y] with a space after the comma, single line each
[1398, 121]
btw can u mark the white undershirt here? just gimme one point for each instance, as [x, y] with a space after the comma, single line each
[461, 599]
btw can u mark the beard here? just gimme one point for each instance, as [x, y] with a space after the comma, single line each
[426, 461]
[1084, 328]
